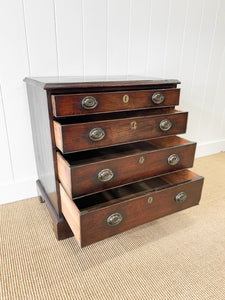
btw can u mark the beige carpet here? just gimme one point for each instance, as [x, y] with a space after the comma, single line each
[181, 256]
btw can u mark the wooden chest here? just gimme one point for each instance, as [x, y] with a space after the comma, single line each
[107, 154]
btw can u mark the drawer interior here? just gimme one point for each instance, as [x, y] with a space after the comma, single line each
[133, 190]
[116, 115]
[93, 156]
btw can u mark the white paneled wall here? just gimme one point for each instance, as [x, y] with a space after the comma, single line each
[182, 39]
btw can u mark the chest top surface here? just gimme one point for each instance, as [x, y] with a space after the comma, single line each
[97, 81]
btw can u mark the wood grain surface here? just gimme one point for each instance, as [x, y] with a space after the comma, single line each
[71, 104]
[79, 178]
[75, 136]
[135, 210]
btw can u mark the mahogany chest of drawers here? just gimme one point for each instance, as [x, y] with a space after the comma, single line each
[107, 154]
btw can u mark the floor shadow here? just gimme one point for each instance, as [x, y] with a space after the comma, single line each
[128, 241]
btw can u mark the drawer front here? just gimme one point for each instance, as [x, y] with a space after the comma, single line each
[94, 177]
[95, 226]
[104, 222]
[80, 104]
[92, 135]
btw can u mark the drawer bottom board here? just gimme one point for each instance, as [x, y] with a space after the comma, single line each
[96, 217]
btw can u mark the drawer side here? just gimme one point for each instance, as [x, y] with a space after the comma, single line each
[71, 214]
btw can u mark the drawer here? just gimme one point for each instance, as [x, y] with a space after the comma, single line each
[99, 131]
[80, 104]
[93, 218]
[97, 170]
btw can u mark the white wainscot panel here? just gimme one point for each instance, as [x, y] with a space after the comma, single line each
[199, 88]
[138, 36]
[69, 37]
[118, 13]
[95, 40]
[157, 39]
[6, 173]
[174, 44]
[14, 67]
[41, 37]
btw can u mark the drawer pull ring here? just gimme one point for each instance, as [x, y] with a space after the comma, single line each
[125, 99]
[105, 175]
[181, 197]
[89, 102]
[173, 159]
[114, 219]
[158, 98]
[165, 125]
[97, 134]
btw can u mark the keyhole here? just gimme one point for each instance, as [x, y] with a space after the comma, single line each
[125, 99]
[133, 125]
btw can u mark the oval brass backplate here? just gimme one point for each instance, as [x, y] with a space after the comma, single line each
[89, 102]
[181, 197]
[105, 175]
[165, 125]
[96, 134]
[158, 98]
[125, 99]
[114, 219]
[133, 125]
[173, 159]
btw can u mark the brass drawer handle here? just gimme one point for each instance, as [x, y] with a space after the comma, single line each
[158, 98]
[105, 175]
[165, 125]
[173, 159]
[97, 134]
[181, 197]
[114, 219]
[89, 102]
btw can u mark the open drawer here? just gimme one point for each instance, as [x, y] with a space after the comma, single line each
[99, 131]
[97, 170]
[95, 217]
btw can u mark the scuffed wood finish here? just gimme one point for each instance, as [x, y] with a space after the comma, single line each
[133, 207]
[71, 105]
[118, 130]
[79, 176]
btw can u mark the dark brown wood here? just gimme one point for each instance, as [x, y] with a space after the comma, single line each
[45, 198]
[72, 214]
[43, 139]
[131, 131]
[75, 136]
[59, 224]
[135, 210]
[69, 82]
[71, 105]
[62, 230]
[79, 177]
